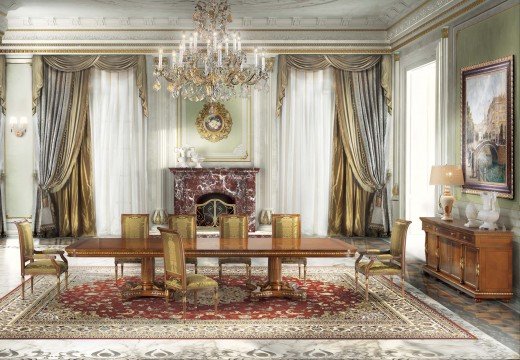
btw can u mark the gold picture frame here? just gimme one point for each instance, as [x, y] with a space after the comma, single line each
[214, 122]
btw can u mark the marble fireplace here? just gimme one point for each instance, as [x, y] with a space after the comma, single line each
[238, 185]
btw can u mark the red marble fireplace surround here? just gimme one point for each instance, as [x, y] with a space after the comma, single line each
[238, 183]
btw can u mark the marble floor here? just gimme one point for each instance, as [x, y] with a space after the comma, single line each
[496, 325]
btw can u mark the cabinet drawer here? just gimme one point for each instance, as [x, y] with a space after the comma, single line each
[467, 237]
[448, 233]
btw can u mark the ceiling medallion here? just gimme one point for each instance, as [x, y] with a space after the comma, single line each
[214, 122]
[211, 64]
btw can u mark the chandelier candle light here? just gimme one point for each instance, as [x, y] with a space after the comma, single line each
[217, 71]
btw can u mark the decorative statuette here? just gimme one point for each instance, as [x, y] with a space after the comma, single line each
[471, 214]
[266, 217]
[182, 158]
[159, 217]
[490, 211]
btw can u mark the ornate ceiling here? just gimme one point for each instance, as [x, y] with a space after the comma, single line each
[374, 14]
[279, 26]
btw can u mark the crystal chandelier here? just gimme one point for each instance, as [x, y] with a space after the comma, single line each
[211, 65]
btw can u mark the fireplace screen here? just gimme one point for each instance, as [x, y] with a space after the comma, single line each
[210, 206]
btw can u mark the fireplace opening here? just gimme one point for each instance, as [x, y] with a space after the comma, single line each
[210, 206]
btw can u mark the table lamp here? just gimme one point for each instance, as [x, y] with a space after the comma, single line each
[446, 175]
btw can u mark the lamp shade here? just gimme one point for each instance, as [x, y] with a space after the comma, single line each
[446, 175]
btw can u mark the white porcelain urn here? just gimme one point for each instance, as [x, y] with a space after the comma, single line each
[490, 212]
[472, 215]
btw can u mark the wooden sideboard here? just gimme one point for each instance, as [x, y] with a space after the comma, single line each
[477, 262]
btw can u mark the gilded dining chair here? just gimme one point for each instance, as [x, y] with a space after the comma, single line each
[288, 226]
[186, 226]
[234, 227]
[39, 262]
[386, 262]
[175, 278]
[133, 226]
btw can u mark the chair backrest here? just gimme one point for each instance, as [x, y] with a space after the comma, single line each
[26, 240]
[286, 226]
[398, 239]
[185, 225]
[135, 226]
[234, 226]
[174, 260]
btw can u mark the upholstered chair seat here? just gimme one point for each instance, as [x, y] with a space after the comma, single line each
[39, 262]
[288, 226]
[175, 277]
[234, 227]
[385, 262]
[186, 226]
[133, 226]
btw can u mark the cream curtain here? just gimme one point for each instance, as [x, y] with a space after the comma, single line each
[68, 63]
[119, 143]
[2, 146]
[305, 135]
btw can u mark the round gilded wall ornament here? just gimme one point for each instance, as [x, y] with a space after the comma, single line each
[214, 122]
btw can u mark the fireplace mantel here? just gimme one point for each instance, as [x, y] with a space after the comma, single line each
[238, 183]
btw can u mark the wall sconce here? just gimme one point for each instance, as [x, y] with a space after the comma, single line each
[18, 125]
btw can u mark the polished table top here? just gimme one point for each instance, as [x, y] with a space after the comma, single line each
[209, 247]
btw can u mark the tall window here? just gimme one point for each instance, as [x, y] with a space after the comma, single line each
[420, 151]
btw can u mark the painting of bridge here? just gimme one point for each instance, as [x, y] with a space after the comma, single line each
[487, 127]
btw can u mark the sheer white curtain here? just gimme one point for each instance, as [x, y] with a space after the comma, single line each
[305, 148]
[118, 148]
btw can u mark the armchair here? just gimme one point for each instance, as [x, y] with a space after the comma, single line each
[234, 227]
[389, 262]
[175, 277]
[288, 226]
[186, 226]
[132, 226]
[39, 262]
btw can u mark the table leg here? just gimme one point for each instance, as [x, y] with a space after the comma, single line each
[275, 286]
[147, 287]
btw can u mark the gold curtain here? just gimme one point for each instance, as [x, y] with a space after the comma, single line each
[75, 200]
[348, 200]
[341, 62]
[69, 63]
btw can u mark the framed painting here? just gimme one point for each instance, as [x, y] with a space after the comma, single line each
[487, 127]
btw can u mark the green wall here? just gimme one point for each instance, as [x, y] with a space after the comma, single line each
[495, 37]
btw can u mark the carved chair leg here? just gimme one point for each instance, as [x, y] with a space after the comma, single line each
[366, 287]
[23, 287]
[67, 279]
[58, 284]
[304, 272]
[122, 270]
[215, 298]
[184, 306]
[196, 270]
[32, 284]
[248, 273]
[356, 280]
[220, 271]
[116, 271]
[167, 295]
[402, 285]
[299, 271]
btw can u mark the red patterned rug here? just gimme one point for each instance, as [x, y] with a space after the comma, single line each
[91, 307]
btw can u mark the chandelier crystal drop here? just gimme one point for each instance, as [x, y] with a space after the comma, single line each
[210, 64]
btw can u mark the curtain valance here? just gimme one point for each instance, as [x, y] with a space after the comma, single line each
[67, 63]
[2, 83]
[341, 62]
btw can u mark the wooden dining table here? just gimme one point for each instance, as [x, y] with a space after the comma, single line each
[273, 248]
